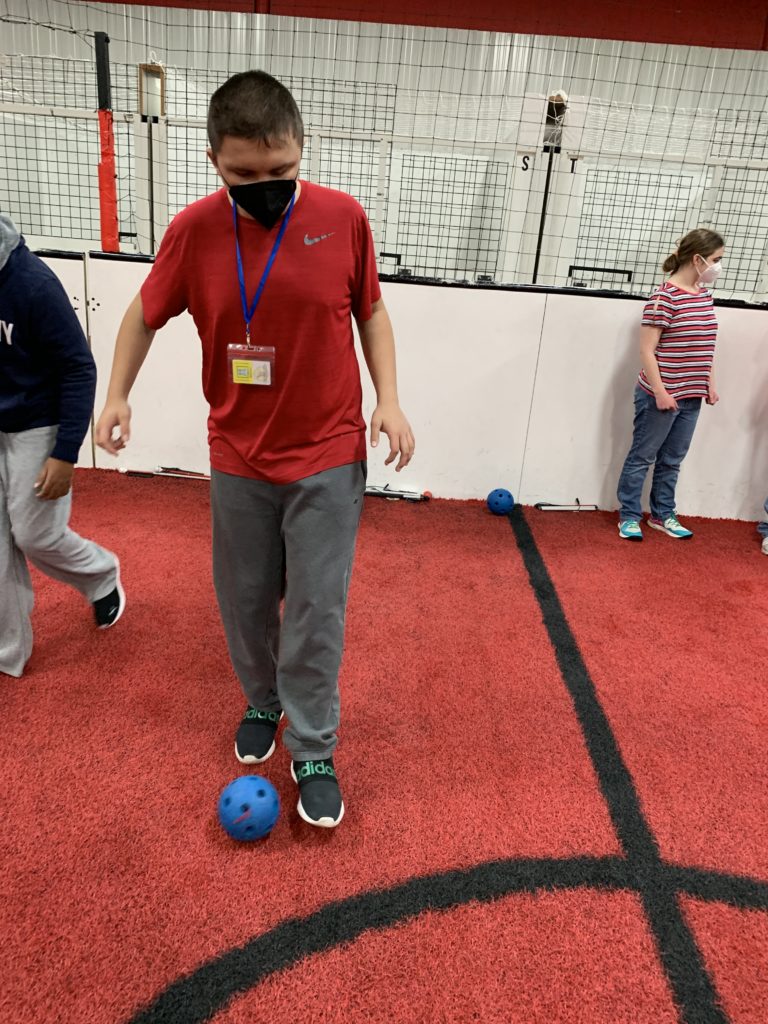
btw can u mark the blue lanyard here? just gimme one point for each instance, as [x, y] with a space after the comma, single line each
[248, 313]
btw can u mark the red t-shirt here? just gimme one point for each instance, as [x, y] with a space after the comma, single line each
[310, 418]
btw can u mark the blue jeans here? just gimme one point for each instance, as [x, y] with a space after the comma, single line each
[762, 528]
[663, 438]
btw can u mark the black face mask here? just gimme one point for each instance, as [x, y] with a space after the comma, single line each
[264, 200]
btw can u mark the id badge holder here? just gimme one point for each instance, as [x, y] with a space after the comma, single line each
[251, 364]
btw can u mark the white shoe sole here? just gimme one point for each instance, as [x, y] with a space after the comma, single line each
[319, 822]
[250, 759]
[634, 537]
[662, 529]
[121, 596]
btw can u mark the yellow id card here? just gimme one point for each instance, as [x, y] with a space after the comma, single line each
[251, 371]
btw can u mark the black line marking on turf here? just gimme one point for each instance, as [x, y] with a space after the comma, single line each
[199, 996]
[680, 956]
[714, 887]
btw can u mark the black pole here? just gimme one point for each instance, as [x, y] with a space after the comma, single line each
[150, 156]
[543, 213]
[102, 70]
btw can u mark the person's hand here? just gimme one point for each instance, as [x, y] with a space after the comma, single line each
[389, 419]
[712, 396]
[115, 414]
[665, 402]
[55, 480]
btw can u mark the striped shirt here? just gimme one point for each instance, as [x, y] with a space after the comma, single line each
[687, 344]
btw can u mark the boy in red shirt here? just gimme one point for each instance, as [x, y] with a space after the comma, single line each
[272, 270]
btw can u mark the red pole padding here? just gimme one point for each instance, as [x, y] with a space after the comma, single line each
[108, 184]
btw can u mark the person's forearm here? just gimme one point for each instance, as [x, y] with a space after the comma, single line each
[378, 344]
[649, 340]
[133, 342]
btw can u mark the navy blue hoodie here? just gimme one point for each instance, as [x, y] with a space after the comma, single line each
[47, 372]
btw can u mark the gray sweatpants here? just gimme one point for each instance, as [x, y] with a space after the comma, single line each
[296, 540]
[36, 530]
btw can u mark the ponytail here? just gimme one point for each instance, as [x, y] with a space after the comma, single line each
[671, 264]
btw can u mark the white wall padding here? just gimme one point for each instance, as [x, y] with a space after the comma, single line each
[169, 422]
[526, 390]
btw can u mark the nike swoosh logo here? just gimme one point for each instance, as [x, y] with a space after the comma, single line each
[320, 238]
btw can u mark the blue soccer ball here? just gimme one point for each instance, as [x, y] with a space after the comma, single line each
[249, 808]
[500, 502]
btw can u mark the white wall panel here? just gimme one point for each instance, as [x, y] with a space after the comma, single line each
[581, 419]
[514, 389]
[466, 362]
[169, 412]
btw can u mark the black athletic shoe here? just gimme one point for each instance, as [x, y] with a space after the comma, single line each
[107, 610]
[320, 800]
[255, 740]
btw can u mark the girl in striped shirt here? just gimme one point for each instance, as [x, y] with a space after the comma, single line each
[677, 345]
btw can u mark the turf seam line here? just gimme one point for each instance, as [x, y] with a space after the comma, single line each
[681, 959]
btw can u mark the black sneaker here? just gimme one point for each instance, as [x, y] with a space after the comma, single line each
[255, 740]
[107, 610]
[320, 800]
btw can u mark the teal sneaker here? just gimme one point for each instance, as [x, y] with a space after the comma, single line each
[671, 526]
[629, 529]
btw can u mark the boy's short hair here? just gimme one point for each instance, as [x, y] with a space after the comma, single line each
[254, 105]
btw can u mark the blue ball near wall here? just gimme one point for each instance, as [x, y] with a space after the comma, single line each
[249, 808]
[500, 502]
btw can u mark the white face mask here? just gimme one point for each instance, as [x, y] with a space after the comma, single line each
[711, 274]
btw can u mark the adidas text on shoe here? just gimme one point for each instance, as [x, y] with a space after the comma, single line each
[629, 529]
[671, 526]
[255, 740]
[320, 800]
[107, 610]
